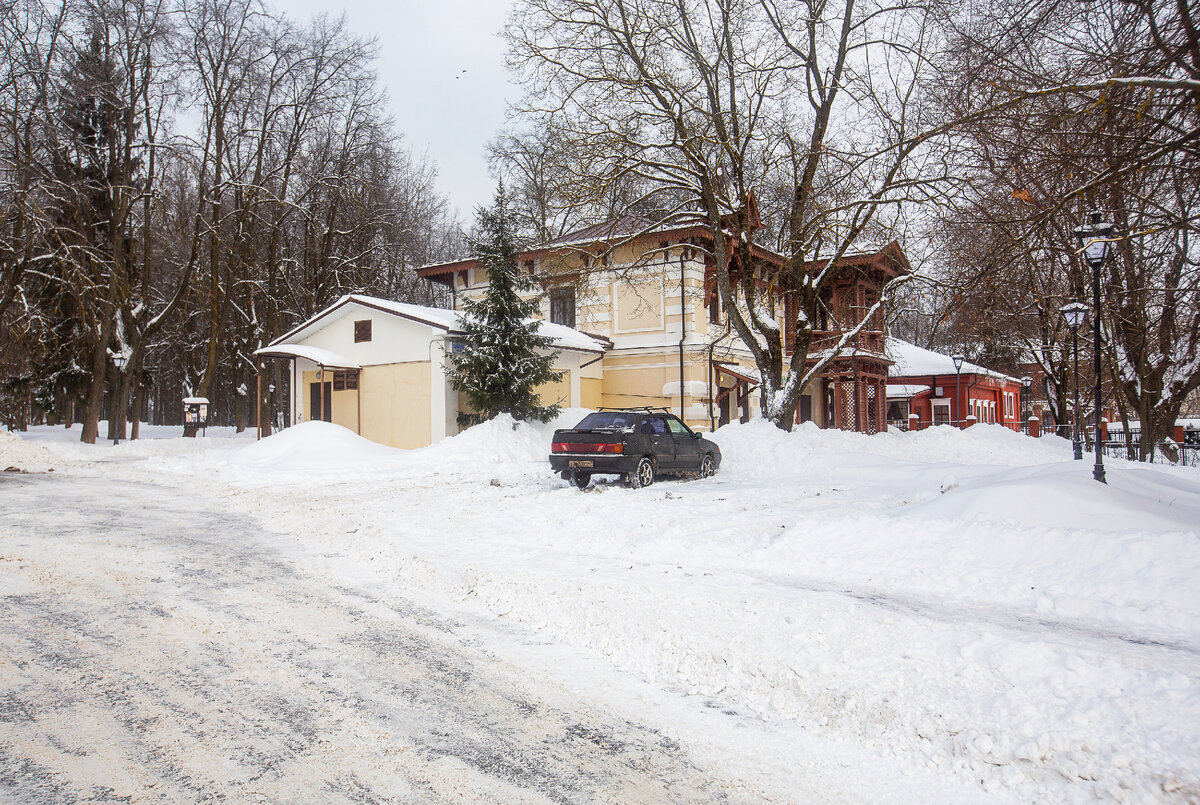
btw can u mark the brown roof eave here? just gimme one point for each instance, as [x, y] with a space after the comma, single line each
[436, 270]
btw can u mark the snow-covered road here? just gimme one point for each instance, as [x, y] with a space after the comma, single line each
[172, 652]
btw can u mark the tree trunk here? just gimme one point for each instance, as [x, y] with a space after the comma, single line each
[95, 396]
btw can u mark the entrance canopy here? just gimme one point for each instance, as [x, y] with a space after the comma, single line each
[322, 357]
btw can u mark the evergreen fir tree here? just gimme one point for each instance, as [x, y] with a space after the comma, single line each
[503, 357]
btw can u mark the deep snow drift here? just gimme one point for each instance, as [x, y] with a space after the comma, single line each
[966, 605]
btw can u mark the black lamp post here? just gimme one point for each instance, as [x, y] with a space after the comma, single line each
[1026, 384]
[1075, 313]
[958, 359]
[1095, 240]
[119, 364]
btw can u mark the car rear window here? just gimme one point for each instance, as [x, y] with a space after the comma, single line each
[608, 420]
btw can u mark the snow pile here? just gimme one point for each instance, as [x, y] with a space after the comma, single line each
[153, 442]
[1132, 500]
[757, 448]
[314, 447]
[23, 456]
[502, 441]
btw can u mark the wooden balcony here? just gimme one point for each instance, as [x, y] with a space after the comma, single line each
[868, 341]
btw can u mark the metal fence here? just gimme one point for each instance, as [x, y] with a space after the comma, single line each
[1117, 447]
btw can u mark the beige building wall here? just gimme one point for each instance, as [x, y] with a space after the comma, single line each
[343, 404]
[556, 391]
[396, 404]
[393, 401]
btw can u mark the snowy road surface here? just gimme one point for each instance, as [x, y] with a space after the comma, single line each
[172, 653]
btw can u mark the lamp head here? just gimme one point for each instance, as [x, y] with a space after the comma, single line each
[1026, 381]
[1096, 240]
[1074, 314]
[958, 359]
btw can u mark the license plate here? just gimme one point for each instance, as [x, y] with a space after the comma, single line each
[581, 463]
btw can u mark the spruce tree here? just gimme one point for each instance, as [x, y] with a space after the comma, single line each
[502, 358]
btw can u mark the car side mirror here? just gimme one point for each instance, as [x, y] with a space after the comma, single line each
[695, 435]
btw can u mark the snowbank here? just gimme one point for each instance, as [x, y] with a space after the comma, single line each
[24, 456]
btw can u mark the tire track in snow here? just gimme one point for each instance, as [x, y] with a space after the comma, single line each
[153, 648]
[959, 612]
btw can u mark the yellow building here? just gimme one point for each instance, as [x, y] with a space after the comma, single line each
[379, 368]
[651, 294]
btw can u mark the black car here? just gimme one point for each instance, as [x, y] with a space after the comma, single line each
[639, 444]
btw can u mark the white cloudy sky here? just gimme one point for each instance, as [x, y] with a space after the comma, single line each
[442, 62]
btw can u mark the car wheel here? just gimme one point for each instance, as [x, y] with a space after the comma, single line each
[643, 473]
[708, 467]
[581, 479]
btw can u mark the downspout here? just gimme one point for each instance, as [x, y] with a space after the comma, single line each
[682, 329]
[321, 392]
[712, 419]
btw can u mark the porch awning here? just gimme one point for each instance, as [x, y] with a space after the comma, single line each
[739, 373]
[322, 357]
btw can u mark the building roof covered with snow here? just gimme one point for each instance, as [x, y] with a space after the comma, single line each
[909, 360]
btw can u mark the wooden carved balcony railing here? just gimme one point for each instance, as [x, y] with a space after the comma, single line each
[868, 341]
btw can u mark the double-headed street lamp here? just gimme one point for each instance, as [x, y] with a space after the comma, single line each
[1075, 313]
[958, 359]
[1096, 241]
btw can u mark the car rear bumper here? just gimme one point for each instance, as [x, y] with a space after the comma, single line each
[590, 462]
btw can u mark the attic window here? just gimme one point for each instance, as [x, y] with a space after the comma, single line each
[362, 331]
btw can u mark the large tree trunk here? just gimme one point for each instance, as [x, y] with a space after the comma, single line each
[95, 396]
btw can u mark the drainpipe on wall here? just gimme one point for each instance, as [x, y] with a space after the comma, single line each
[712, 419]
[682, 329]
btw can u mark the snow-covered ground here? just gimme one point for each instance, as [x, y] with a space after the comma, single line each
[875, 618]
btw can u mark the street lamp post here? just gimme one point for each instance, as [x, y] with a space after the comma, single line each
[957, 357]
[1095, 242]
[1074, 313]
[1026, 384]
[119, 363]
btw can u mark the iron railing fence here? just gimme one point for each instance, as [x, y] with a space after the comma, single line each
[1189, 451]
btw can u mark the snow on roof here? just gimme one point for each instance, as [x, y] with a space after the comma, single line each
[618, 227]
[568, 338]
[441, 318]
[913, 361]
[195, 401]
[897, 391]
[436, 316]
[323, 357]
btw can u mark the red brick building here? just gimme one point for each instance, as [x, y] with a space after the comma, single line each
[925, 390]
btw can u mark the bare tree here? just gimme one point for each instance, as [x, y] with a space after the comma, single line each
[703, 99]
[1082, 139]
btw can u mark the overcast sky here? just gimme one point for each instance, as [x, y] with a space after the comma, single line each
[442, 62]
